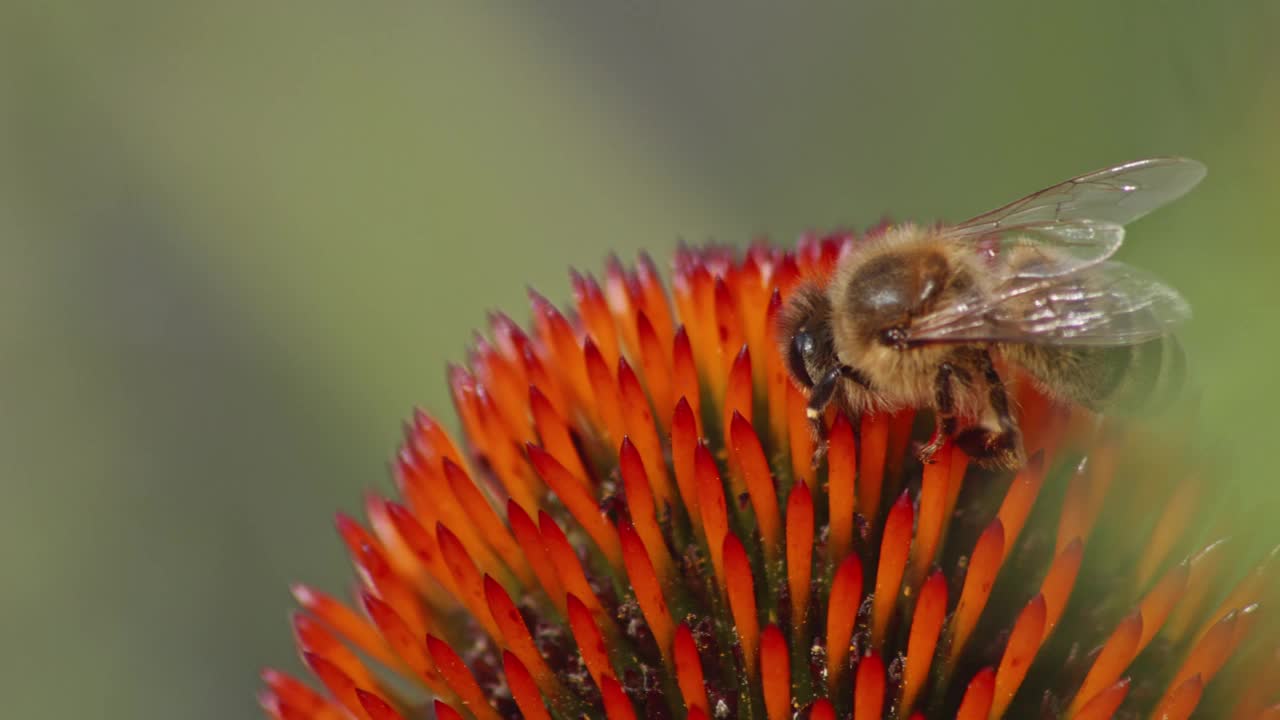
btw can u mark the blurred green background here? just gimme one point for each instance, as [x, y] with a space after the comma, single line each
[240, 240]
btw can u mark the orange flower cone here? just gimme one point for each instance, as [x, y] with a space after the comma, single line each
[630, 525]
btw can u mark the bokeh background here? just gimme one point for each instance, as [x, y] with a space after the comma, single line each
[239, 241]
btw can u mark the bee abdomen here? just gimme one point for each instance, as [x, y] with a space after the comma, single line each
[1142, 378]
[1171, 378]
[1153, 378]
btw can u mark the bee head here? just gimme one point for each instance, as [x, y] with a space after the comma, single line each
[804, 329]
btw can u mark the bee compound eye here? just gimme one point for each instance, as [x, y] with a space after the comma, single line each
[802, 347]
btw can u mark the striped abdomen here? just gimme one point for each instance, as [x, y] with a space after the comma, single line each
[1145, 377]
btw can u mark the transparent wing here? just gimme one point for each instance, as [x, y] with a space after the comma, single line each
[1118, 195]
[1107, 304]
[1050, 248]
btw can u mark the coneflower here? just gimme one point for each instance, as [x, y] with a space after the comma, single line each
[631, 524]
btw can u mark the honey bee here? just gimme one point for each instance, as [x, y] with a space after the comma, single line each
[923, 316]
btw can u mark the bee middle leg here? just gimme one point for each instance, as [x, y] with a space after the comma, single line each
[1002, 447]
[945, 408]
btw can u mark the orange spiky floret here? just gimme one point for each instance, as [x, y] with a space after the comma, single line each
[934, 479]
[338, 683]
[871, 458]
[378, 709]
[286, 697]
[412, 651]
[740, 587]
[822, 710]
[759, 483]
[1024, 640]
[842, 617]
[799, 436]
[711, 501]
[459, 679]
[633, 524]
[684, 443]
[775, 673]
[590, 640]
[640, 504]
[1116, 653]
[979, 579]
[926, 624]
[776, 380]
[868, 690]
[1058, 582]
[1104, 704]
[976, 704]
[357, 630]
[799, 552]
[642, 433]
[737, 399]
[841, 498]
[617, 706]
[314, 638]
[689, 670]
[894, 549]
[648, 589]
[572, 577]
[534, 551]
[445, 711]
[523, 688]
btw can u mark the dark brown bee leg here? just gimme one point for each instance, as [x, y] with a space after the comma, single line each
[856, 375]
[996, 394]
[945, 425]
[820, 396]
[1002, 448]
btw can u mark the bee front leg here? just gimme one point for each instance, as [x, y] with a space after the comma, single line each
[856, 375]
[945, 410]
[820, 396]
